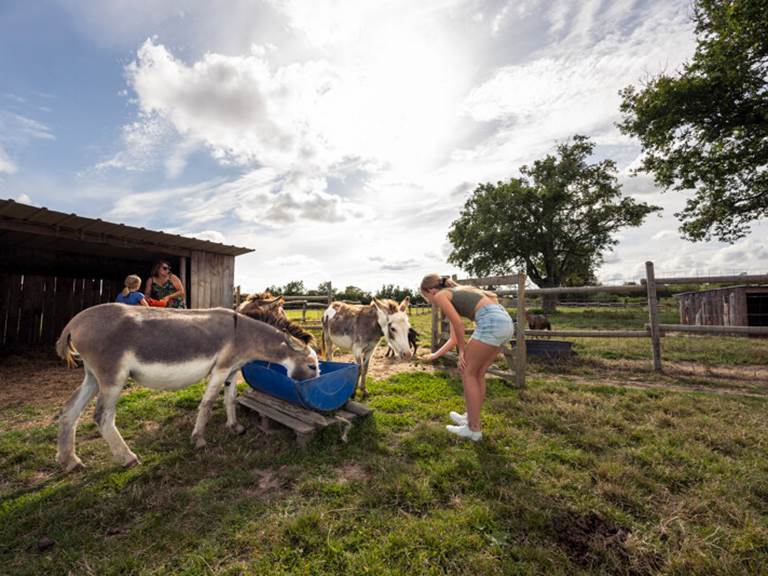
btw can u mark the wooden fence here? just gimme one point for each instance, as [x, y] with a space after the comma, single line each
[35, 309]
[653, 330]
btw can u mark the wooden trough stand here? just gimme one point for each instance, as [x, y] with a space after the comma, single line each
[304, 422]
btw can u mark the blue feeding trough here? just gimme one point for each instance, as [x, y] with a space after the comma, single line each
[327, 392]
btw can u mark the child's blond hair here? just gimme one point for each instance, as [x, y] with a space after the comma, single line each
[132, 282]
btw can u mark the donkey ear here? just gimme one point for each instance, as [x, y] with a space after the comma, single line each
[404, 304]
[296, 344]
[382, 306]
[273, 303]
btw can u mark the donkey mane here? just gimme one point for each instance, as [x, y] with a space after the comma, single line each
[279, 322]
[258, 296]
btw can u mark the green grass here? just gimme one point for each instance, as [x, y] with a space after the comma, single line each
[570, 479]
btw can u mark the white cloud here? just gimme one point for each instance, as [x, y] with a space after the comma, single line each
[7, 166]
[16, 133]
[210, 235]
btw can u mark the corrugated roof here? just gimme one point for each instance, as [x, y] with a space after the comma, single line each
[760, 287]
[12, 211]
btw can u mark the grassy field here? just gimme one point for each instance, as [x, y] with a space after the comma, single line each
[575, 475]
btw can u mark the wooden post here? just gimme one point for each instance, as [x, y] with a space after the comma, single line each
[238, 297]
[521, 354]
[183, 278]
[330, 293]
[435, 328]
[653, 315]
[304, 312]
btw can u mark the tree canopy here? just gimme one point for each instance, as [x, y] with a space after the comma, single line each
[554, 220]
[706, 128]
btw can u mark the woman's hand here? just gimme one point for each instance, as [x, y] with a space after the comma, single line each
[428, 358]
[462, 361]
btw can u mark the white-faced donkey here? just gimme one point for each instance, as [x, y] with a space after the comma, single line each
[165, 349]
[360, 327]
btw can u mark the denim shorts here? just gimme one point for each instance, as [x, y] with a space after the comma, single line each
[493, 325]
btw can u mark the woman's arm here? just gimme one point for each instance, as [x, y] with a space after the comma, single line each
[148, 287]
[179, 288]
[443, 300]
[447, 347]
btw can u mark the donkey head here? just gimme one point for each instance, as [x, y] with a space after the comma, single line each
[300, 360]
[263, 304]
[393, 319]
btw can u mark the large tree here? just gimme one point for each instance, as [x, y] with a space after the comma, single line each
[706, 128]
[554, 221]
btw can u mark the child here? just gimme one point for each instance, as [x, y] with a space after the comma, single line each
[130, 294]
[493, 328]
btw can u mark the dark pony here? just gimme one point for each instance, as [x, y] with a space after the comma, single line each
[268, 308]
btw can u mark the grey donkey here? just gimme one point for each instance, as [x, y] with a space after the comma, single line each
[165, 349]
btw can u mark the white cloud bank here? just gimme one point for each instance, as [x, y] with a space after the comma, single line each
[351, 135]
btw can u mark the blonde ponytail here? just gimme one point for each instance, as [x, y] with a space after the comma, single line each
[132, 282]
[431, 281]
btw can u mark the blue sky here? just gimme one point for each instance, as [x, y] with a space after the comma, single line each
[339, 139]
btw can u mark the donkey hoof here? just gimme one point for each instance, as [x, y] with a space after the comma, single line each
[130, 463]
[199, 442]
[236, 429]
[74, 465]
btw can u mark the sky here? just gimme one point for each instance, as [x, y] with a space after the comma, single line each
[338, 139]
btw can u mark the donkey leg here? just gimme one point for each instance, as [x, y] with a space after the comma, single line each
[105, 419]
[70, 414]
[366, 360]
[328, 343]
[230, 394]
[215, 382]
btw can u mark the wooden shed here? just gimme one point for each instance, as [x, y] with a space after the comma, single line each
[730, 306]
[52, 265]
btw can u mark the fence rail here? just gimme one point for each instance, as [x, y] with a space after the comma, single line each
[654, 330]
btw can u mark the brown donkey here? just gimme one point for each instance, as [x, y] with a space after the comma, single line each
[165, 349]
[269, 309]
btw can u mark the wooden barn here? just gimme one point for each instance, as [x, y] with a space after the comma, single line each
[729, 306]
[52, 265]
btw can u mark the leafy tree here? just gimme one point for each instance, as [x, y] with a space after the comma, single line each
[324, 286]
[355, 293]
[293, 288]
[554, 221]
[706, 128]
[394, 292]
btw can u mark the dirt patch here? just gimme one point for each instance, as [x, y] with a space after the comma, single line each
[351, 472]
[381, 367]
[36, 377]
[589, 538]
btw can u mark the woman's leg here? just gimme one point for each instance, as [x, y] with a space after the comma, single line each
[478, 356]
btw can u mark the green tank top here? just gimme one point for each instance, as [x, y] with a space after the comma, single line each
[464, 299]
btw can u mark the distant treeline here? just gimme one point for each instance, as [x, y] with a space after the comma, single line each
[297, 288]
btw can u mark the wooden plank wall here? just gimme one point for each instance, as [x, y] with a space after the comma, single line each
[715, 308]
[212, 280]
[34, 309]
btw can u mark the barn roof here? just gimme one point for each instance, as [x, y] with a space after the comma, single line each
[32, 219]
[758, 288]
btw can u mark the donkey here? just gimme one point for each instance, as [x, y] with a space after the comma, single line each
[413, 343]
[269, 309]
[164, 349]
[537, 321]
[360, 327]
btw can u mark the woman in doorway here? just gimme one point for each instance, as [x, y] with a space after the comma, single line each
[165, 286]
[493, 328]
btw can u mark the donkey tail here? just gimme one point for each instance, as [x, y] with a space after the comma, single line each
[65, 349]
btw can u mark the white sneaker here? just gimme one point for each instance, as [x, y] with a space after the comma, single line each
[460, 419]
[465, 432]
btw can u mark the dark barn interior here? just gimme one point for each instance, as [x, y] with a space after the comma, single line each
[52, 265]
